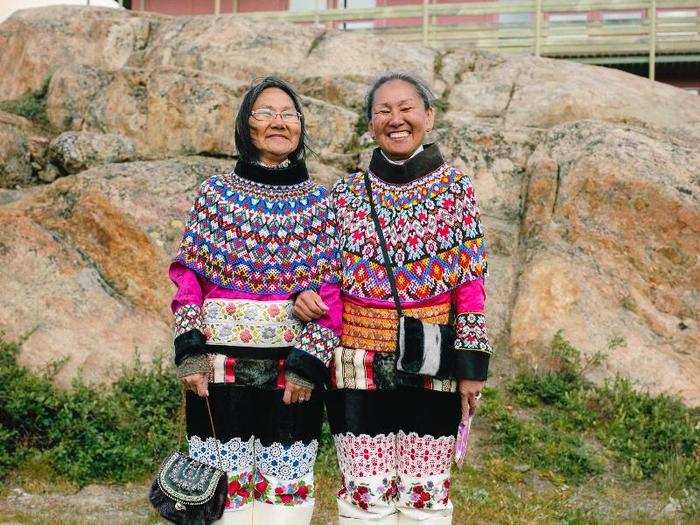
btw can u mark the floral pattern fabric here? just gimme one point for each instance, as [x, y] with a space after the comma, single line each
[288, 493]
[424, 493]
[239, 322]
[276, 474]
[362, 456]
[402, 471]
[424, 455]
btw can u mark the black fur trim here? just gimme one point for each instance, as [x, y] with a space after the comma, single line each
[470, 364]
[188, 343]
[307, 366]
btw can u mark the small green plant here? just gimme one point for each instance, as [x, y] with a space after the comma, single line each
[31, 105]
[616, 342]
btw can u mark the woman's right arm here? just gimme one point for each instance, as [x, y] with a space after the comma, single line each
[191, 361]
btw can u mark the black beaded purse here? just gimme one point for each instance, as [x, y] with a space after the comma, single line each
[424, 349]
[189, 492]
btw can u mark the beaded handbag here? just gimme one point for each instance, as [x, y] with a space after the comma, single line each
[189, 492]
[425, 349]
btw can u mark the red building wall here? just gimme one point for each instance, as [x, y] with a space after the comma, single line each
[206, 7]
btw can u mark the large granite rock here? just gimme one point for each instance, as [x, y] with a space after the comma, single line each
[170, 111]
[587, 179]
[75, 151]
[84, 265]
[23, 150]
[15, 159]
[35, 42]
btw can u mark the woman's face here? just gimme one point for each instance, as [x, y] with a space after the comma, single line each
[399, 119]
[277, 137]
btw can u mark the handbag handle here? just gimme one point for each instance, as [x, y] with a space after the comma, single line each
[211, 422]
[382, 245]
[213, 432]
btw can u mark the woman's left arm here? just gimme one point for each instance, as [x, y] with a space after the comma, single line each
[471, 344]
[314, 348]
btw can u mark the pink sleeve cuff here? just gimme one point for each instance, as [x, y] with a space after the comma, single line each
[189, 288]
[470, 297]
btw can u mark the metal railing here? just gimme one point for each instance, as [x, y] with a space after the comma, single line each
[612, 31]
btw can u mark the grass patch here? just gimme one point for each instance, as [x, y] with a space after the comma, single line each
[549, 445]
[31, 105]
[651, 435]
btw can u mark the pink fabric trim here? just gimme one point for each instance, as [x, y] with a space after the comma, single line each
[333, 319]
[193, 289]
[470, 297]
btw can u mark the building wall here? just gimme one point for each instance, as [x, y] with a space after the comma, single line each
[206, 7]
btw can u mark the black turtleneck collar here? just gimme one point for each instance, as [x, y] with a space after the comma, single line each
[425, 162]
[295, 173]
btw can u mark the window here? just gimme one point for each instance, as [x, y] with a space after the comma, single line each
[567, 17]
[622, 16]
[307, 5]
[357, 4]
[514, 18]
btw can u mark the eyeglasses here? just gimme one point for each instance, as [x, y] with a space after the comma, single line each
[266, 115]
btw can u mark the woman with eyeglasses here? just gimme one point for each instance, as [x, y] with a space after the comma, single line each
[414, 354]
[256, 237]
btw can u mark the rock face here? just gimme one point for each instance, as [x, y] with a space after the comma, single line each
[85, 264]
[35, 42]
[15, 160]
[75, 152]
[23, 149]
[587, 178]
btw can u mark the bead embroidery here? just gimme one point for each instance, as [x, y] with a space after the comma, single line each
[259, 238]
[187, 317]
[471, 333]
[432, 229]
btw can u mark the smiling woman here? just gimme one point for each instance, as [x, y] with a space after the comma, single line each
[256, 237]
[413, 267]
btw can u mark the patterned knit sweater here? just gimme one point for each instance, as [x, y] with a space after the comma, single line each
[430, 219]
[256, 237]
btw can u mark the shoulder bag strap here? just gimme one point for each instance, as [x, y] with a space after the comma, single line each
[382, 245]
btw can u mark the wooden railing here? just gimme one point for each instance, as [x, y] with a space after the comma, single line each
[651, 33]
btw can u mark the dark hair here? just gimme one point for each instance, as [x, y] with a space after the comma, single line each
[244, 143]
[421, 88]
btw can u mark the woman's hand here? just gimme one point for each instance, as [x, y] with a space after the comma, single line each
[470, 392]
[309, 306]
[198, 383]
[294, 393]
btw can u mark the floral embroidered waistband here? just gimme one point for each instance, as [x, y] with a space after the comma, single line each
[242, 322]
[375, 328]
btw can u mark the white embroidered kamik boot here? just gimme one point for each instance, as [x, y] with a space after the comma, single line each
[268, 514]
[241, 516]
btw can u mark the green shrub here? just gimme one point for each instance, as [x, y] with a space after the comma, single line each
[651, 435]
[105, 433]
